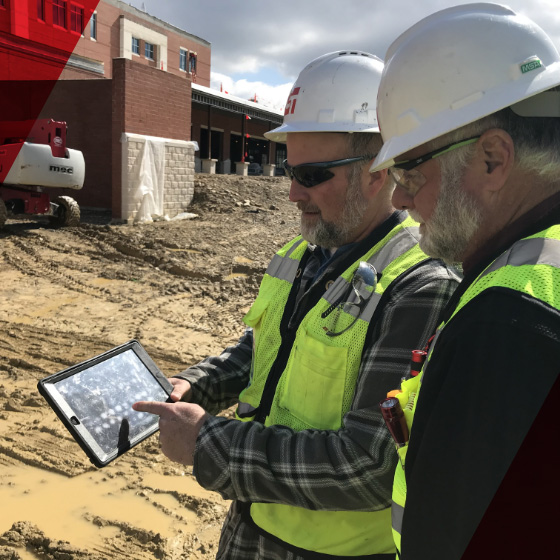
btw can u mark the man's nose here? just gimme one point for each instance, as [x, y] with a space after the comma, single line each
[298, 193]
[402, 200]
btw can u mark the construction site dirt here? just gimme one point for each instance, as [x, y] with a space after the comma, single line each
[180, 287]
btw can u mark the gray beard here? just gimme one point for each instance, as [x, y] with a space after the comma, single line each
[455, 220]
[335, 234]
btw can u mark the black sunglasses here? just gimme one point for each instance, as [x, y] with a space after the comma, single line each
[311, 174]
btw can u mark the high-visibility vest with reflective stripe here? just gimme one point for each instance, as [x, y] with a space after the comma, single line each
[530, 266]
[318, 383]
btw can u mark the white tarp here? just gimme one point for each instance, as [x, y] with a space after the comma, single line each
[148, 185]
[144, 176]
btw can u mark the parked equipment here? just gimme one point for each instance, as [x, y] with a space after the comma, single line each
[43, 161]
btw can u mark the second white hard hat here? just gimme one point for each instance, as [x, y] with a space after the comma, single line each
[334, 93]
[457, 66]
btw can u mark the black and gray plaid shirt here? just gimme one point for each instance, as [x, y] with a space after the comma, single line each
[348, 469]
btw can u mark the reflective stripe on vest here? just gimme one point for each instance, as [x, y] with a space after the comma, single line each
[397, 514]
[316, 389]
[529, 251]
[284, 267]
[530, 266]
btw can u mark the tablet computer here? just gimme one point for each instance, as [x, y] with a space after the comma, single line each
[94, 400]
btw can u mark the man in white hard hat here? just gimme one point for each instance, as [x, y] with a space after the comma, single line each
[469, 108]
[340, 308]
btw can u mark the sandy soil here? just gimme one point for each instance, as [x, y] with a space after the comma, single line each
[179, 287]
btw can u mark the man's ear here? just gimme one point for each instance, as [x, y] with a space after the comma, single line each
[376, 181]
[499, 155]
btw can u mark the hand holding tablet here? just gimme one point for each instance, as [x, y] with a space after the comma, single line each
[181, 389]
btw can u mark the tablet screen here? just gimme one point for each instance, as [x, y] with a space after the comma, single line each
[102, 396]
[94, 400]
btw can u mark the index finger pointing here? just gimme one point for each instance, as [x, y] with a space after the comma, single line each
[153, 407]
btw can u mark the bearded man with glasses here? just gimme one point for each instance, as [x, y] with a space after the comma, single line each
[469, 108]
[307, 460]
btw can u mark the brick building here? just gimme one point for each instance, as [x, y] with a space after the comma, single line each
[128, 75]
[236, 136]
[119, 30]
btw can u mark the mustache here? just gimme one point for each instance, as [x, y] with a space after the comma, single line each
[306, 207]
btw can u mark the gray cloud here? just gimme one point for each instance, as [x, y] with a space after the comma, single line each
[268, 43]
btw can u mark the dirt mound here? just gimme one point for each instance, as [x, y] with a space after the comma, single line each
[181, 288]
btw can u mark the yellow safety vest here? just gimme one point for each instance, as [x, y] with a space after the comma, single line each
[318, 383]
[530, 266]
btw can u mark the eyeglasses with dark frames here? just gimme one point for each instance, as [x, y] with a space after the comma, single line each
[412, 180]
[312, 174]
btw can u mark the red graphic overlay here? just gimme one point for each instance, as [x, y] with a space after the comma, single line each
[36, 39]
[530, 486]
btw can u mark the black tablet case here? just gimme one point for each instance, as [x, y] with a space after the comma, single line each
[86, 394]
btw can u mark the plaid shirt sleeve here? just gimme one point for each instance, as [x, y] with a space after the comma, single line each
[217, 381]
[348, 469]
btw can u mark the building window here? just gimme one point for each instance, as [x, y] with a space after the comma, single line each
[183, 59]
[59, 12]
[76, 19]
[135, 45]
[149, 51]
[40, 9]
[93, 26]
[192, 63]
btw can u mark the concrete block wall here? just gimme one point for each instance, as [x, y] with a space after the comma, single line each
[178, 175]
[179, 178]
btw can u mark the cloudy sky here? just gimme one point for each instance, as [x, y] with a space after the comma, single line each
[259, 46]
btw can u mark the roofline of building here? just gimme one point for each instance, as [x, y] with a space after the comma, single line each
[238, 104]
[153, 19]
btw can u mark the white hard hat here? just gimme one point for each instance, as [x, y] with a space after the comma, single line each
[457, 66]
[333, 93]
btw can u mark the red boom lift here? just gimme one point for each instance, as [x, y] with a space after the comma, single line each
[43, 161]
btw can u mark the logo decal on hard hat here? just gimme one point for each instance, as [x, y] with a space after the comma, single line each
[291, 103]
[530, 64]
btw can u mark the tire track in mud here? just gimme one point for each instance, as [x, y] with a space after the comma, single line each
[39, 363]
[66, 353]
[40, 455]
[24, 257]
[111, 243]
[29, 263]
